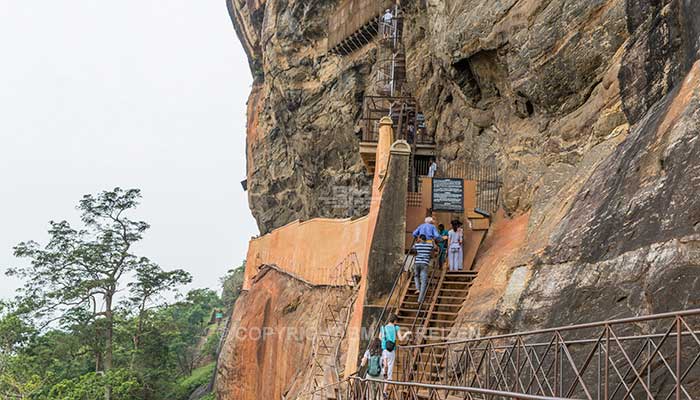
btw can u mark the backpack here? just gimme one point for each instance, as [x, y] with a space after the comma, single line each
[375, 366]
[390, 345]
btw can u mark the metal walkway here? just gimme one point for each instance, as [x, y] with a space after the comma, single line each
[652, 357]
[335, 312]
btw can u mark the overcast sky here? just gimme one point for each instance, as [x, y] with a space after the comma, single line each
[130, 93]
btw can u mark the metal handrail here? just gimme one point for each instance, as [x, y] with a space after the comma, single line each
[318, 389]
[434, 275]
[487, 392]
[394, 29]
[417, 337]
[587, 325]
[555, 368]
[382, 315]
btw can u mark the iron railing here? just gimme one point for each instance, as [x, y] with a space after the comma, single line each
[403, 112]
[651, 357]
[374, 389]
[331, 329]
[488, 181]
[393, 300]
[391, 75]
[390, 33]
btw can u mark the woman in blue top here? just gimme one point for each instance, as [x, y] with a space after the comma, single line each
[390, 334]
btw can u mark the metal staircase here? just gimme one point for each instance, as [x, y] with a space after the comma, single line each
[391, 98]
[431, 321]
[653, 357]
[324, 364]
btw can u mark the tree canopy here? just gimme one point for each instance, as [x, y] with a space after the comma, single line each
[95, 320]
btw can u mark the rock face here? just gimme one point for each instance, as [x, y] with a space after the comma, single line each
[591, 110]
[270, 338]
[610, 176]
[302, 151]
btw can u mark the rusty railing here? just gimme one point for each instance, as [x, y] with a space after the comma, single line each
[650, 357]
[373, 389]
[377, 107]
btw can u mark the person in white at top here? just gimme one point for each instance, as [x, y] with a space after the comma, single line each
[388, 17]
[433, 168]
[455, 246]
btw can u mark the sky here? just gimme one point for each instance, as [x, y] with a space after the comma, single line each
[131, 93]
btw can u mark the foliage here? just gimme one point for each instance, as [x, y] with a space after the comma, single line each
[123, 385]
[200, 377]
[92, 320]
[232, 285]
[80, 267]
[75, 277]
[17, 382]
[191, 317]
[211, 346]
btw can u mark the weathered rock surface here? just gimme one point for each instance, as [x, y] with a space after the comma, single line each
[613, 231]
[591, 110]
[270, 339]
[302, 150]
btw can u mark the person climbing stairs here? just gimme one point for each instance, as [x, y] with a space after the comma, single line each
[432, 320]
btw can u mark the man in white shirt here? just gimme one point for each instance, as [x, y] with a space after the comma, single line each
[433, 168]
[388, 18]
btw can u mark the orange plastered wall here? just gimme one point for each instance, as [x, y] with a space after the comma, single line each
[315, 250]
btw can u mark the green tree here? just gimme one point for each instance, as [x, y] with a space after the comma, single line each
[92, 319]
[232, 285]
[190, 318]
[14, 330]
[15, 382]
[75, 277]
[121, 383]
[150, 285]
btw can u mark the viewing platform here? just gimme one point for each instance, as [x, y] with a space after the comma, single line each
[368, 152]
[408, 125]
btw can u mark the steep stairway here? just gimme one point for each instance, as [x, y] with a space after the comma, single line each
[324, 366]
[332, 331]
[431, 321]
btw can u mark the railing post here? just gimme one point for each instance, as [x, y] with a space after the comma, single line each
[447, 364]
[467, 363]
[599, 383]
[649, 355]
[678, 358]
[561, 366]
[517, 363]
[488, 366]
[556, 366]
[607, 361]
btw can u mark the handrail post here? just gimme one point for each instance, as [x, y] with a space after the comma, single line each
[488, 365]
[607, 361]
[447, 363]
[678, 358]
[556, 366]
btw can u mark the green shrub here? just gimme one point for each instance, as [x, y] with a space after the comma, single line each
[200, 377]
[92, 386]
